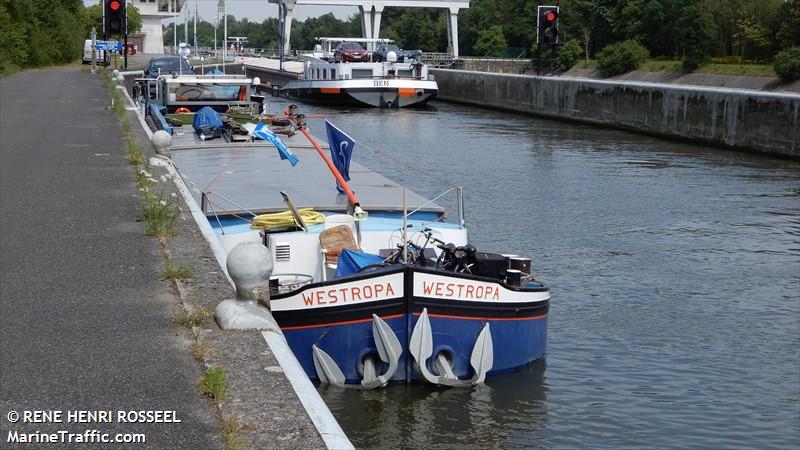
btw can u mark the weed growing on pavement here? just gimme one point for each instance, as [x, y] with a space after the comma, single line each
[135, 156]
[159, 208]
[201, 351]
[159, 214]
[214, 384]
[232, 432]
[187, 318]
[177, 272]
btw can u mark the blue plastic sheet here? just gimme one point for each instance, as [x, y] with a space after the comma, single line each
[207, 118]
[351, 262]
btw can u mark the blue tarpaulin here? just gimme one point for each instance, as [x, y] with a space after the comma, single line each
[207, 123]
[351, 262]
[206, 117]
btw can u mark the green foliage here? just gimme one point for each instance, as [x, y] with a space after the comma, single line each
[415, 28]
[12, 43]
[568, 55]
[692, 30]
[787, 64]
[696, 33]
[173, 272]
[159, 212]
[39, 32]
[490, 41]
[620, 58]
[789, 31]
[214, 384]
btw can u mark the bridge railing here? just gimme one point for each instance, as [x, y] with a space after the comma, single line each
[438, 60]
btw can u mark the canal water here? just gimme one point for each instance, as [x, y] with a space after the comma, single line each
[675, 276]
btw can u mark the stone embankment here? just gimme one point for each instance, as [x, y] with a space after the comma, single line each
[746, 119]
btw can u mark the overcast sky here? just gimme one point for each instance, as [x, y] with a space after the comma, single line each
[254, 10]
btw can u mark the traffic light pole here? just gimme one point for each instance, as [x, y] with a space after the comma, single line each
[539, 59]
[125, 46]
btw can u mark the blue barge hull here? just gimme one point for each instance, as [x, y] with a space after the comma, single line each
[337, 317]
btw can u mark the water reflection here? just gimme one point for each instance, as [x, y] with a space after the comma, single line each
[423, 416]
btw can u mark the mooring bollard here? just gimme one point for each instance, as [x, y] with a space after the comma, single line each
[249, 266]
[161, 141]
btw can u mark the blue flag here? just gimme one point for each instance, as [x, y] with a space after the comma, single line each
[341, 146]
[263, 133]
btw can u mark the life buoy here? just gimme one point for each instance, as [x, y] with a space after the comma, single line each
[183, 110]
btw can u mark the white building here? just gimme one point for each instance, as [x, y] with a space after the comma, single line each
[153, 12]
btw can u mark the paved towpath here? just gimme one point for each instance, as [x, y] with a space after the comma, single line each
[84, 319]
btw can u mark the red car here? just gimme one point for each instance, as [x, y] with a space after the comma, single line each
[350, 52]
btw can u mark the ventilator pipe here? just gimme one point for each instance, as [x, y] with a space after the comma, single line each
[350, 195]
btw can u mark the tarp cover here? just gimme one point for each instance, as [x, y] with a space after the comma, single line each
[206, 118]
[351, 262]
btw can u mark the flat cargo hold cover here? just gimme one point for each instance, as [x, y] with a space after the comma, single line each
[251, 175]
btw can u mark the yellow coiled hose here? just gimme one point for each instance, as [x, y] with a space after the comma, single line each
[285, 219]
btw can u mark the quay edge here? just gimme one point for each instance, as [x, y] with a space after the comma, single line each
[740, 119]
[275, 410]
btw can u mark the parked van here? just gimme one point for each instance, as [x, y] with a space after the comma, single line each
[100, 56]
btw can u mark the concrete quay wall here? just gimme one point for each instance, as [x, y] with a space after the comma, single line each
[767, 122]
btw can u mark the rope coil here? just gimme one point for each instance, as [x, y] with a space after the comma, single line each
[285, 219]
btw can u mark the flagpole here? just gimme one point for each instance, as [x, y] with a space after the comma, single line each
[350, 195]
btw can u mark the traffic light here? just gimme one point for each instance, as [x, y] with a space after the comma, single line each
[114, 15]
[547, 25]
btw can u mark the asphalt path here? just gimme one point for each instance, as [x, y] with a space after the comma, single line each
[85, 321]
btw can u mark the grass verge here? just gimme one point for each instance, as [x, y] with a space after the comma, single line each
[661, 65]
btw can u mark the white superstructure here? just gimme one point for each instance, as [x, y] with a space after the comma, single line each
[153, 12]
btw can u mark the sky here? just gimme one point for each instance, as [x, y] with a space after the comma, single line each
[254, 10]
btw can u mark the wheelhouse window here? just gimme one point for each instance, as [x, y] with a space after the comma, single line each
[208, 92]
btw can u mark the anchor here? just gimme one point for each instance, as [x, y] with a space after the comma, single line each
[389, 351]
[421, 348]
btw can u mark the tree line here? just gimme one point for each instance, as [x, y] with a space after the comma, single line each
[42, 32]
[743, 29]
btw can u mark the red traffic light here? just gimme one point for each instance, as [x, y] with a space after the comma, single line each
[550, 16]
[114, 5]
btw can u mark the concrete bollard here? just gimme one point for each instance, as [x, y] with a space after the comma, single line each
[161, 141]
[249, 265]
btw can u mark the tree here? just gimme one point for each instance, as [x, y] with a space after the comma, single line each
[416, 28]
[490, 41]
[13, 49]
[585, 18]
[789, 33]
[28, 31]
[696, 34]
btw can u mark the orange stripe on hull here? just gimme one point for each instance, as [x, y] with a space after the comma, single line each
[333, 324]
[407, 92]
[330, 90]
[446, 316]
